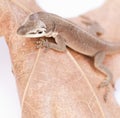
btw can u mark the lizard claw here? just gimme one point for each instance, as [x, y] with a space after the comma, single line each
[42, 43]
[103, 84]
[45, 43]
[105, 96]
[106, 83]
[38, 44]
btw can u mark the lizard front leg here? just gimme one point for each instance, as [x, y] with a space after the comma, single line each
[59, 46]
[98, 62]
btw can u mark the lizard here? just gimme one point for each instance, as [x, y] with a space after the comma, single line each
[67, 33]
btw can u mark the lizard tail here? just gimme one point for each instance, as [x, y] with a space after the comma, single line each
[113, 48]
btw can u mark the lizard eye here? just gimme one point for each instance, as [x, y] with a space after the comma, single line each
[39, 32]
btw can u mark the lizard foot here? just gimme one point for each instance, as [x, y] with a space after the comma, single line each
[105, 96]
[105, 84]
[42, 43]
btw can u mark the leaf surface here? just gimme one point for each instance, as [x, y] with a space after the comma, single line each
[54, 84]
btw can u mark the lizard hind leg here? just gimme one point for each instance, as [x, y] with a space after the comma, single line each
[92, 26]
[98, 62]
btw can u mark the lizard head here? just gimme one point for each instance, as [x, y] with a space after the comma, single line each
[33, 27]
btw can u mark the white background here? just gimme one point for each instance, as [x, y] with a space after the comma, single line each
[9, 102]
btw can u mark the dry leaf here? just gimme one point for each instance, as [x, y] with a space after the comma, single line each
[54, 84]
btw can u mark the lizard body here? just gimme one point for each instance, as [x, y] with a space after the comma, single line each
[66, 33]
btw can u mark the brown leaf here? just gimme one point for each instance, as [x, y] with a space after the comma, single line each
[54, 84]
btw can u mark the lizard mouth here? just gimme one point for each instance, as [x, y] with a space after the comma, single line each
[36, 34]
